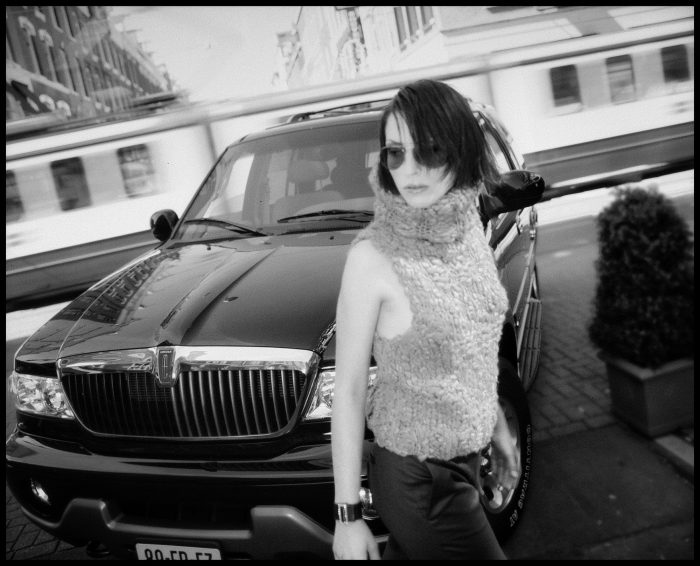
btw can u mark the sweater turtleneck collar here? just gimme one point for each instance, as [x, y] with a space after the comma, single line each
[444, 222]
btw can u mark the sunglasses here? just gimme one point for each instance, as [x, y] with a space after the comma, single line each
[393, 156]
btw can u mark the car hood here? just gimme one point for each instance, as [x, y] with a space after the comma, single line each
[267, 292]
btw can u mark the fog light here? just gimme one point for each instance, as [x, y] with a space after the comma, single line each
[39, 492]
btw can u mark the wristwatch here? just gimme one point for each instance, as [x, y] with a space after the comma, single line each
[347, 512]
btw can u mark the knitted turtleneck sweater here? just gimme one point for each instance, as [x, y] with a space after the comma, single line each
[435, 392]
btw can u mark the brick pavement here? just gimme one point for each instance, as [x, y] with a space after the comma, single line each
[570, 392]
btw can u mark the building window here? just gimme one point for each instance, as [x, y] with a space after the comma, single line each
[428, 17]
[14, 209]
[30, 40]
[64, 70]
[59, 15]
[9, 51]
[77, 77]
[73, 24]
[413, 27]
[48, 53]
[71, 184]
[674, 60]
[620, 78]
[63, 11]
[87, 81]
[412, 22]
[52, 15]
[565, 88]
[107, 52]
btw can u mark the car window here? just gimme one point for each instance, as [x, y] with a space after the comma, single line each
[502, 162]
[259, 182]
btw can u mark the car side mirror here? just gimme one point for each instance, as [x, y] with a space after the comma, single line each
[515, 190]
[162, 223]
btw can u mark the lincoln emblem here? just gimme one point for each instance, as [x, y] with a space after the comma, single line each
[164, 369]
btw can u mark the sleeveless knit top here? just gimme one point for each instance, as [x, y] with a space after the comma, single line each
[435, 391]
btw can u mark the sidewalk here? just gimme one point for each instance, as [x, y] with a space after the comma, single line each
[600, 490]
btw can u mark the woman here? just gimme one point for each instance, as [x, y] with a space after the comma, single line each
[421, 290]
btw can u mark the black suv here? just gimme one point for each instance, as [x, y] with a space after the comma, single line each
[180, 408]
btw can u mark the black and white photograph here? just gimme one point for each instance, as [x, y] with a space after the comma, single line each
[349, 282]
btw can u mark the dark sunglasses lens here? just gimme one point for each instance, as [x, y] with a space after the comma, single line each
[433, 157]
[393, 157]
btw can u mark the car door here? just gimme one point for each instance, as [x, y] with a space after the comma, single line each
[513, 238]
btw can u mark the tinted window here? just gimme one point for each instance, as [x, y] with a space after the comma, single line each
[137, 170]
[674, 60]
[14, 210]
[620, 78]
[565, 88]
[258, 182]
[502, 163]
[71, 185]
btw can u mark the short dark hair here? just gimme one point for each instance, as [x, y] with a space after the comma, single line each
[436, 114]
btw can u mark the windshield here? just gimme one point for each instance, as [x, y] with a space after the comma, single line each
[307, 180]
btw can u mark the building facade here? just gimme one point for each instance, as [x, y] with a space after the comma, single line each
[73, 60]
[332, 43]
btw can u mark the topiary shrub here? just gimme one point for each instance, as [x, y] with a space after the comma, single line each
[643, 305]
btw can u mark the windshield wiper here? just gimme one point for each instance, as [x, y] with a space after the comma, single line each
[346, 215]
[226, 225]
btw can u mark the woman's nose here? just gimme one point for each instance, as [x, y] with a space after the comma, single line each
[410, 163]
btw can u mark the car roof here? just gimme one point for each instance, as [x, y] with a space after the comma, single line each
[322, 121]
[340, 115]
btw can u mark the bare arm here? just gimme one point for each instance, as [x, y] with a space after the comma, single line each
[358, 309]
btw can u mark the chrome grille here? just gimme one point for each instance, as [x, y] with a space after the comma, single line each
[202, 404]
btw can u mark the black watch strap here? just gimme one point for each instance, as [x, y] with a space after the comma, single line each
[347, 512]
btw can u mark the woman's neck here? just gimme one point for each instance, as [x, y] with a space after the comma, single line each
[444, 222]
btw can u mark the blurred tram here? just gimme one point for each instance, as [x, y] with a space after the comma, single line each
[78, 202]
[618, 102]
[590, 110]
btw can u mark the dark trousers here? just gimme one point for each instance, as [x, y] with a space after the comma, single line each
[431, 511]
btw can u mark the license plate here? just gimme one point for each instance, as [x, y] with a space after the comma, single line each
[175, 552]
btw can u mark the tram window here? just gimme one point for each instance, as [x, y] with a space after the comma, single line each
[565, 87]
[137, 170]
[14, 209]
[674, 60]
[70, 182]
[620, 78]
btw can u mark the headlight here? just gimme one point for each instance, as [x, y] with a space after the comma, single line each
[321, 404]
[40, 395]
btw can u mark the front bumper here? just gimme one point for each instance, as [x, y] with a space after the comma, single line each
[275, 532]
[275, 509]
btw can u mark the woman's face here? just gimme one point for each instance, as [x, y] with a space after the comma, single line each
[419, 185]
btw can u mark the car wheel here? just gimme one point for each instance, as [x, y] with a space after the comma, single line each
[504, 508]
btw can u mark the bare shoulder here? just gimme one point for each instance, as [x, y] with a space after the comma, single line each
[364, 267]
[364, 254]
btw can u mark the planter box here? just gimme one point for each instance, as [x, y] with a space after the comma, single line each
[653, 401]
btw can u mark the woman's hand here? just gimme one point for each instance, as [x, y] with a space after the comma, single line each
[354, 541]
[505, 457]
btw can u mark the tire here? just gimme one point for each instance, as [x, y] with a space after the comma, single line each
[504, 509]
